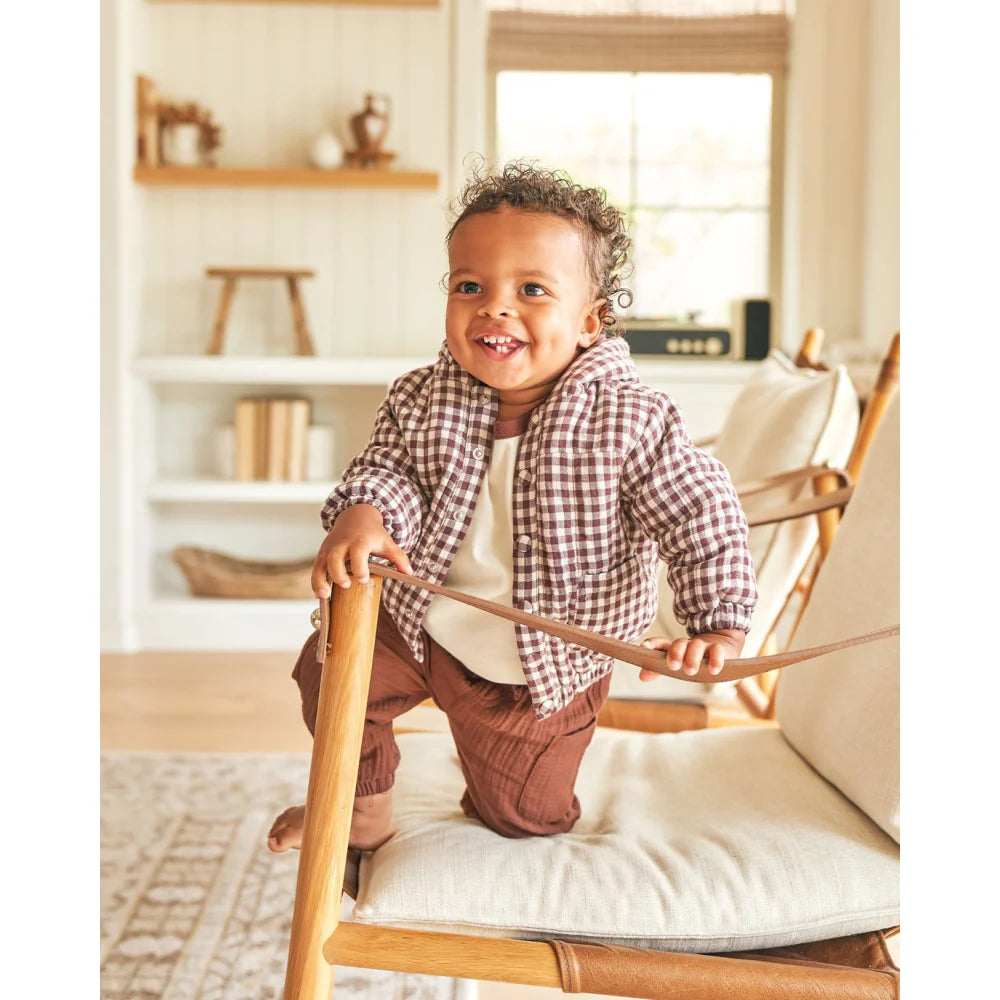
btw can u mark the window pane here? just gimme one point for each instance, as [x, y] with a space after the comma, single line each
[577, 122]
[703, 139]
[697, 262]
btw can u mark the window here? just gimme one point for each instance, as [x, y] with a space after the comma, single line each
[686, 155]
[676, 108]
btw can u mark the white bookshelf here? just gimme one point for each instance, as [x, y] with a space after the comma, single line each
[225, 491]
[179, 499]
[276, 371]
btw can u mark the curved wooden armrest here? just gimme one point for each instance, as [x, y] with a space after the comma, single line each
[801, 508]
[791, 476]
[639, 656]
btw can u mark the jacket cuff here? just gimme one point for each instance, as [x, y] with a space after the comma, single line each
[734, 616]
[400, 528]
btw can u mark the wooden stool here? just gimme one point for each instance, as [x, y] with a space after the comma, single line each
[230, 275]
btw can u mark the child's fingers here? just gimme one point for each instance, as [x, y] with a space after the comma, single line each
[397, 556]
[336, 568]
[693, 656]
[319, 582]
[656, 642]
[675, 655]
[360, 551]
[716, 658]
[647, 675]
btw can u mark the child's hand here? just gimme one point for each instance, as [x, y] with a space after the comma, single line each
[356, 534]
[687, 654]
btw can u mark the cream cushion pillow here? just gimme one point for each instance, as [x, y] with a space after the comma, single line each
[841, 712]
[716, 840]
[784, 418]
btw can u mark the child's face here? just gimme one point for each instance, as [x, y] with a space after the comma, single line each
[520, 300]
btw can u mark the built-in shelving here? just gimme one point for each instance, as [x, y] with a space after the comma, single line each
[287, 177]
[221, 370]
[235, 491]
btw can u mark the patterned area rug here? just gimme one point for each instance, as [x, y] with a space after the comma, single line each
[193, 905]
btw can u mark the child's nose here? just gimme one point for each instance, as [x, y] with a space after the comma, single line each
[495, 305]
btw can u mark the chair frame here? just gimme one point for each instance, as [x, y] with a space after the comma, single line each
[757, 694]
[319, 940]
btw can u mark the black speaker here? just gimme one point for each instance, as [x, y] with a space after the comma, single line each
[755, 315]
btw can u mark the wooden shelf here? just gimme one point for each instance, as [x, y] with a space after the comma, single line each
[289, 177]
[232, 491]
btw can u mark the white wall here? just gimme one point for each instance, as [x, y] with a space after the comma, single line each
[273, 77]
[841, 267]
[880, 280]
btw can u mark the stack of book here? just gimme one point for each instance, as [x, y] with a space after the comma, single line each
[271, 438]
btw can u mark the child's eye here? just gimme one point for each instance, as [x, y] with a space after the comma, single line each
[531, 289]
[468, 287]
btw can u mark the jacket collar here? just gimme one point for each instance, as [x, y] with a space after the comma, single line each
[609, 359]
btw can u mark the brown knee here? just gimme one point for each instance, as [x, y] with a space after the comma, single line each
[510, 820]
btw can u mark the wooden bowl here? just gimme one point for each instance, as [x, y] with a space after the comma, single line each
[214, 574]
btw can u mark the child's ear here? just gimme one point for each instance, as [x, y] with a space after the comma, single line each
[591, 327]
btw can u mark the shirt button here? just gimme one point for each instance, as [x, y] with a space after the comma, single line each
[407, 614]
[526, 606]
[485, 397]
[478, 453]
[524, 540]
[548, 703]
[525, 476]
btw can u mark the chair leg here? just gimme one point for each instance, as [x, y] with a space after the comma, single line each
[303, 342]
[333, 776]
[222, 315]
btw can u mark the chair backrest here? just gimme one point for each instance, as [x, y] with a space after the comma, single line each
[841, 712]
[784, 418]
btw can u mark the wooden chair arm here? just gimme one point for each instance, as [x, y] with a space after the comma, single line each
[754, 486]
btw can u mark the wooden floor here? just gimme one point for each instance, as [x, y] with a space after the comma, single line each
[232, 702]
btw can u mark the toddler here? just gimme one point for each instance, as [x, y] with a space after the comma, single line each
[527, 465]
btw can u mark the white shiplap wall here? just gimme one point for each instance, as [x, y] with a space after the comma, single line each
[274, 76]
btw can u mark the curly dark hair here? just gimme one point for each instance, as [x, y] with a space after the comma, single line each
[603, 228]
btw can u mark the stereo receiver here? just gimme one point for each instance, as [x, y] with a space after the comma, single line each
[747, 338]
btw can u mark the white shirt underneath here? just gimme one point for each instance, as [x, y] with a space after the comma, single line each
[484, 567]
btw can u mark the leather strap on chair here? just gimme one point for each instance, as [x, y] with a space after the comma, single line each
[621, 971]
[860, 951]
[640, 656]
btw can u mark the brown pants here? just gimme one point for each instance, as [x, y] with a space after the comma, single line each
[519, 771]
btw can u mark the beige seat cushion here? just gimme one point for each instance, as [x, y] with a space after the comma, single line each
[841, 712]
[785, 418]
[704, 841]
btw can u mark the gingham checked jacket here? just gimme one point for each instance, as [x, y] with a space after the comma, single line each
[607, 481]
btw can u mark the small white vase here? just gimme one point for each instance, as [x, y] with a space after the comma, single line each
[327, 151]
[182, 144]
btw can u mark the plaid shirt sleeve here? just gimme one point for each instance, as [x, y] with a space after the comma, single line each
[383, 475]
[684, 500]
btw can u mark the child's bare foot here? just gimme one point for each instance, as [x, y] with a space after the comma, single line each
[286, 830]
[371, 825]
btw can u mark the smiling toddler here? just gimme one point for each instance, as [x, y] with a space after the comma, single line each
[527, 465]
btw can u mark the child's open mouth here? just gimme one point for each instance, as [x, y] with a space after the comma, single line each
[499, 347]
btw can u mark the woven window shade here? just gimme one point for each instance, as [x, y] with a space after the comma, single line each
[724, 36]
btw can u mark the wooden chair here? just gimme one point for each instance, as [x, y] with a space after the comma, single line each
[791, 425]
[759, 863]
